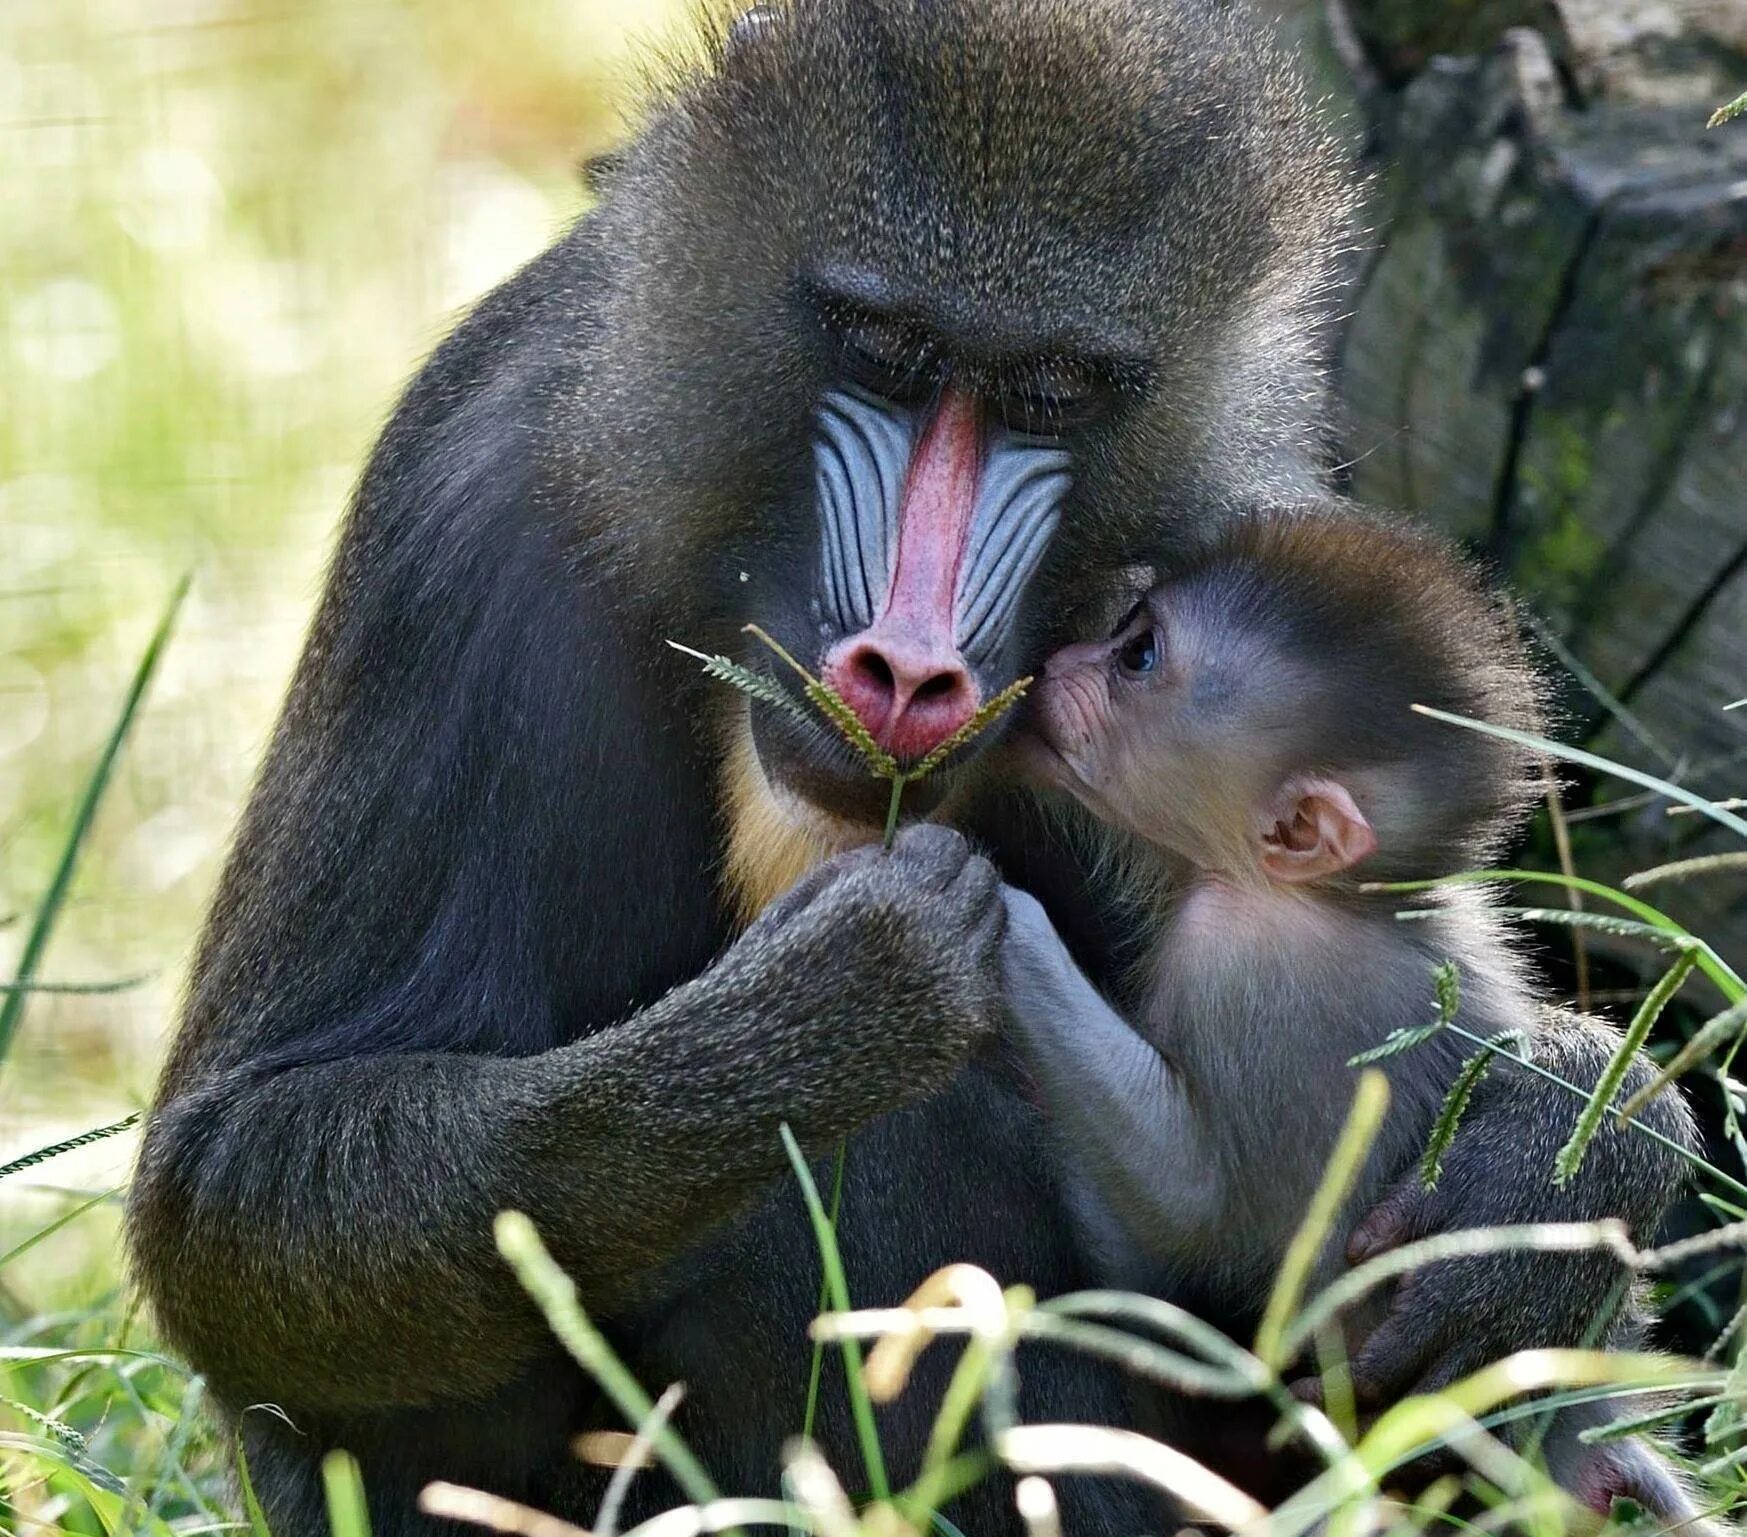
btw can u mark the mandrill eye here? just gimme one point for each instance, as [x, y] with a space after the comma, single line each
[1048, 398]
[891, 358]
[1140, 653]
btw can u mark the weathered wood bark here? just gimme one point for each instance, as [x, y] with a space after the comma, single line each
[1547, 355]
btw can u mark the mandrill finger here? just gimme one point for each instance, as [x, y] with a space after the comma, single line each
[1445, 1372]
[978, 884]
[930, 855]
[986, 937]
[1400, 1217]
[800, 895]
[1399, 1352]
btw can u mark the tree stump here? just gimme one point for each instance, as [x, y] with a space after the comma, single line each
[1546, 355]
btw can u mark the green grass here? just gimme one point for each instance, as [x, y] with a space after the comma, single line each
[228, 228]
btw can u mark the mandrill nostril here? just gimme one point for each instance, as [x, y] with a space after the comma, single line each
[876, 670]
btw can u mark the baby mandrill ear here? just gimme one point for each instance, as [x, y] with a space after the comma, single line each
[1313, 828]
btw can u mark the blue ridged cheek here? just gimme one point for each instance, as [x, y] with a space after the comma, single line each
[861, 453]
[1019, 508]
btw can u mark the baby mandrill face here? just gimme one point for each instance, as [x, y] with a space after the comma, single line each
[1179, 729]
[1112, 723]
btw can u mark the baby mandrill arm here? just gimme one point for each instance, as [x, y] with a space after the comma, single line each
[1119, 1106]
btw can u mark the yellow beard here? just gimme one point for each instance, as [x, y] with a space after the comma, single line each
[774, 838]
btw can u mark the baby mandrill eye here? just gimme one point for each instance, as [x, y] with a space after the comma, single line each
[1140, 654]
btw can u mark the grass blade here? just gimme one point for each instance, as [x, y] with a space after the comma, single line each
[55, 1430]
[1467, 1243]
[1396, 1042]
[555, 1293]
[722, 1516]
[964, 1391]
[490, 1512]
[1706, 1039]
[1687, 869]
[55, 1149]
[1726, 113]
[831, 704]
[637, 1454]
[1064, 1448]
[881, 764]
[77, 989]
[348, 1515]
[1455, 1106]
[831, 1259]
[49, 908]
[817, 1366]
[973, 728]
[172, 1469]
[892, 810]
[1370, 1102]
[1142, 1357]
[1589, 760]
[1686, 1154]
[1570, 1158]
[257, 1517]
[1599, 691]
[1164, 1318]
[1601, 923]
[24, 1246]
[1726, 980]
[755, 684]
[1447, 989]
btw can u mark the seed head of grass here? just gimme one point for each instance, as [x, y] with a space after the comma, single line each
[836, 709]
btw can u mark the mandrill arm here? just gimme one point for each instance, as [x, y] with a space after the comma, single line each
[1121, 1107]
[319, 1233]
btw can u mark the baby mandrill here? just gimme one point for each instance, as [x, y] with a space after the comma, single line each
[1248, 736]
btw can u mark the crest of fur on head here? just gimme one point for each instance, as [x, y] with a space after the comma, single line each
[1379, 615]
[1019, 121]
[1004, 165]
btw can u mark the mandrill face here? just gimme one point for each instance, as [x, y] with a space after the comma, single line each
[937, 493]
[1177, 728]
[995, 298]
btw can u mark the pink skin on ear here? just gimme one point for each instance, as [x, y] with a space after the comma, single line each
[1313, 830]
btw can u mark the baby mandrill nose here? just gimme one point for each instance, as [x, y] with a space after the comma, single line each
[911, 698]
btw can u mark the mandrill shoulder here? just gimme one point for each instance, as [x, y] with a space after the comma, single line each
[476, 398]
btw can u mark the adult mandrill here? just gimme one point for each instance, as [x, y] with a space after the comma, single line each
[895, 324]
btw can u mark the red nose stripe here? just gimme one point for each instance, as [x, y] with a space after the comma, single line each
[903, 675]
[934, 524]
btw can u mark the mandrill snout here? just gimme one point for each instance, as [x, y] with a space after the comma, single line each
[933, 522]
[910, 695]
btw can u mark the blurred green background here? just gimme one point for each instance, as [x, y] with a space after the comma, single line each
[229, 230]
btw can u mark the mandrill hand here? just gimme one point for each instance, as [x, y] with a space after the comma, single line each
[1451, 1319]
[883, 972]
